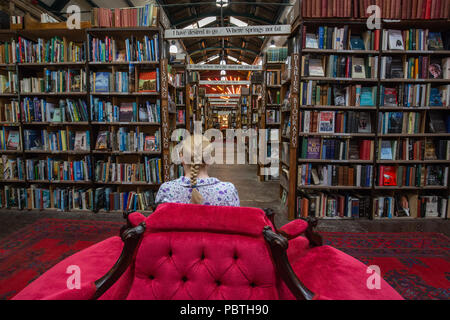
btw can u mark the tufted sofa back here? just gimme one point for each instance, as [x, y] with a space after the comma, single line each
[203, 252]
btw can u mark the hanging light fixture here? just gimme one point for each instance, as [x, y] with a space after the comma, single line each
[272, 44]
[173, 48]
[223, 73]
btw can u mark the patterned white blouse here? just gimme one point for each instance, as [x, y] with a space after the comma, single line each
[214, 192]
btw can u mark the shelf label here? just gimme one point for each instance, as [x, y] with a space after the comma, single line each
[227, 67]
[295, 90]
[268, 30]
[224, 83]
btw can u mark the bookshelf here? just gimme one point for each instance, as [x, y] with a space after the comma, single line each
[84, 131]
[346, 184]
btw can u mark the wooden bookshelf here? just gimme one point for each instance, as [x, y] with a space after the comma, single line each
[373, 192]
[88, 185]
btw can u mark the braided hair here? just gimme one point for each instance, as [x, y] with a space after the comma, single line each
[197, 164]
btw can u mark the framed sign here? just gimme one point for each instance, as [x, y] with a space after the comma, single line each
[269, 30]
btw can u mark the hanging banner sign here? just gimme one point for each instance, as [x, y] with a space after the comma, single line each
[223, 95]
[270, 30]
[224, 103]
[224, 83]
[227, 67]
[223, 100]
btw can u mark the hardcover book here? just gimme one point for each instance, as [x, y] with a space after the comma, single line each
[357, 43]
[147, 81]
[396, 40]
[313, 148]
[326, 121]
[101, 83]
[126, 112]
[364, 123]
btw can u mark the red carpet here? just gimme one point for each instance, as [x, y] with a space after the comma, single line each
[417, 265]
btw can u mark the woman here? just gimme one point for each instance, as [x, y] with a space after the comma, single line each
[196, 187]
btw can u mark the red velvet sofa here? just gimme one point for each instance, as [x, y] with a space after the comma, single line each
[185, 252]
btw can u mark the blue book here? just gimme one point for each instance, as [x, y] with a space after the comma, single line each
[321, 37]
[101, 82]
[367, 97]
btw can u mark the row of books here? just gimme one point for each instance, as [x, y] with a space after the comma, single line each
[273, 116]
[12, 168]
[331, 175]
[108, 200]
[273, 96]
[55, 81]
[69, 199]
[179, 97]
[333, 66]
[10, 139]
[8, 52]
[109, 171]
[41, 110]
[335, 122]
[336, 149]
[60, 140]
[145, 49]
[414, 149]
[401, 122]
[421, 67]
[126, 140]
[107, 82]
[176, 171]
[53, 50]
[313, 93]
[415, 95]
[335, 38]
[145, 16]
[412, 39]
[390, 9]
[178, 79]
[273, 77]
[410, 205]
[412, 176]
[333, 206]
[413, 122]
[181, 117]
[59, 170]
[10, 112]
[105, 111]
[8, 82]
[277, 54]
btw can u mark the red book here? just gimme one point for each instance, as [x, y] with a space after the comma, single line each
[324, 8]
[392, 12]
[308, 8]
[438, 9]
[447, 9]
[428, 10]
[335, 8]
[424, 9]
[318, 5]
[377, 40]
[433, 9]
[330, 9]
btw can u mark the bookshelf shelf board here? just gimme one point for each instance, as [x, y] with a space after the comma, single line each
[126, 30]
[273, 123]
[333, 188]
[124, 63]
[60, 182]
[286, 137]
[412, 109]
[126, 123]
[410, 188]
[7, 65]
[273, 105]
[9, 124]
[56, 124]
[125, 94]
[416, 52]
[329, 79]
[10, 151]
[12, 181]
[274, 63]
[333, 21]
[135, 183]
[274, 86]
[119, 153]
[9, 95]
[80, 152]
[415, 81]
[362, 108]
[53, 94]
[50, 64]
[335, 51]
[335, 161]
[344, 135]
[285, 110]
[413, 135]
[413, 161]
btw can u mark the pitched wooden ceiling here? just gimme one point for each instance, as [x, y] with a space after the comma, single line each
[183, 13]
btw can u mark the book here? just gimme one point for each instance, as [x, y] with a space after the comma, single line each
[357, 43]
[311, 41]
[147, 82]
[126, 112]
[13, 142]
[358, 68]
[102, 81]
[435, 41]
[316, 68]
[364, 123]
[435, 69]
[396, 40]
[386, 150]
[313, 148]
[102, 142]
[326, 121]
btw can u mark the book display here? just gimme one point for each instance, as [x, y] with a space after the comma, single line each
[83, 116]
[373, 120]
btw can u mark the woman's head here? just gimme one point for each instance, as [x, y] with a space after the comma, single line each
[192, 155]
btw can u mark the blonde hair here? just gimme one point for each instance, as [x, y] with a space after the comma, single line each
[192, 146]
